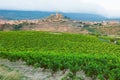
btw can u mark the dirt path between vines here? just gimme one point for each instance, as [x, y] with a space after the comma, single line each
[31, 73]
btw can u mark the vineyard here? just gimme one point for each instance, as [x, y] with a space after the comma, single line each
[62, 51]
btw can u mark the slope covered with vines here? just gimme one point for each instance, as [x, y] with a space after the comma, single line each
[61, 51]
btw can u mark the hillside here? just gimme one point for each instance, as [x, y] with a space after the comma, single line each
[63, 52]
[57, 22]
[54, 22]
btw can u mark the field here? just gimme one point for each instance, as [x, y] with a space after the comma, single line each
[62, 51]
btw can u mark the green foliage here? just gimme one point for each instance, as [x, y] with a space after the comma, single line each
[63, 51]
[118, 42]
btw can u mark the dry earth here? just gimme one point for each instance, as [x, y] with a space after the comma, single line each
[31, 73]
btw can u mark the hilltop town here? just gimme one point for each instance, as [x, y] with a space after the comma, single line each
[59, 23]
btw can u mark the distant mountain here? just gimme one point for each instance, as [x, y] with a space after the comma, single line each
[85, 16]
[20, 15]
[113, 19]
[1, 18]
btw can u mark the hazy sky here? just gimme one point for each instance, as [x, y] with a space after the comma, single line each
[109, 8]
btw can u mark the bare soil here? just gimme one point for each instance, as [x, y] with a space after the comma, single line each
[31, 73]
